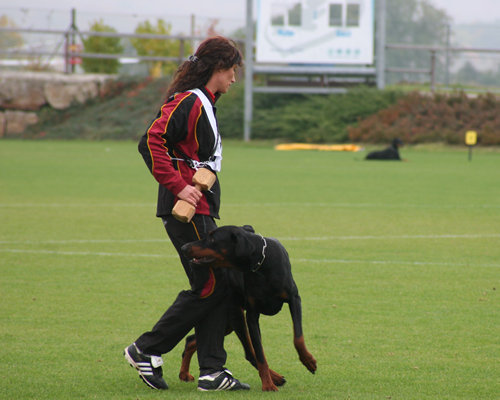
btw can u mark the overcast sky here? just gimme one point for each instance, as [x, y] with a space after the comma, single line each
[467, 11]
[462, 11]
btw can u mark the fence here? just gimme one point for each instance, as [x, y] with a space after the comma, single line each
[433, 52]
[48, 39]
[71, 55]
[69, 51]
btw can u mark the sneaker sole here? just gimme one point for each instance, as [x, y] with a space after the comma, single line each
[221, 390]
[231, 388]
[132, 363]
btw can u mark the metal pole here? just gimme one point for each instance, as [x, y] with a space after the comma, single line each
[433, 71]
[447, 72]
[247, 120]
[380, 44]
[67, 66]
[193, 29]
[181, 51]
[73, 41]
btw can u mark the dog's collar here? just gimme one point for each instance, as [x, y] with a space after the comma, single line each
[259, 264]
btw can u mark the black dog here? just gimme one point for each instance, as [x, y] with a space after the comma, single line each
[262, 281]
[390, 153]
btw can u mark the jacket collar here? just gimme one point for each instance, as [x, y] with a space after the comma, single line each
[213, 97]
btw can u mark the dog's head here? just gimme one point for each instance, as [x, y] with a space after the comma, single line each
[226, 247]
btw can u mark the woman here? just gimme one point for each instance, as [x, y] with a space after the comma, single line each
[182, 138]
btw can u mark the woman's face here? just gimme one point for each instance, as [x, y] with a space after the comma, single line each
[221, 80]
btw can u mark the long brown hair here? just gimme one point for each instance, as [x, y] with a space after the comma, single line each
[213, 54]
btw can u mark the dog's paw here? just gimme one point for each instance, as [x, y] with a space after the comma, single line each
[309, 362]
[269, 388]
[278, 380]
[186, 376]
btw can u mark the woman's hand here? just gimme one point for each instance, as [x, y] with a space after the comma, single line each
[190, 194]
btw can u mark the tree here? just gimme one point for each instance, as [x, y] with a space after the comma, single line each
[104, 45]
[414, 22]
[9, 39]
[159, 47]
[467, 74]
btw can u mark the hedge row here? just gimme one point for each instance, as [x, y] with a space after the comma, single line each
[420, 118]
[313, 118]
[361, 115]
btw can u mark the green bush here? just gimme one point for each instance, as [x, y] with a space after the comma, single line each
[159, 47]
[319, 118]
[105, 45]
[230, 109]
[297, 117]
[230, 112]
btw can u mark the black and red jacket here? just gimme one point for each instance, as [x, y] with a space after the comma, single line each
[180, 130]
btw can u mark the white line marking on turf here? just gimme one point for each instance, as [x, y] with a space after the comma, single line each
[270, 204]
[82, 241]
[311, 238]
[363, 205]
[387, 262]
[72, 205]
[385, 237]
[294, 260]
[86, 253]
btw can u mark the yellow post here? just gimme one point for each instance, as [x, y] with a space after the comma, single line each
[470, 140]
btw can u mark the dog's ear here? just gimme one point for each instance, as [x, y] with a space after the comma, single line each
[244, 250]
[248, 228]
[242, 245]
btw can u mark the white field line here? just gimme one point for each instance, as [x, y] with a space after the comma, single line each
[247, 205]
[294, 260]
[73, 205]
[86, 253]
[361, 205]
[284, 239]
[84, 241]
[393, 237]
[397, 262]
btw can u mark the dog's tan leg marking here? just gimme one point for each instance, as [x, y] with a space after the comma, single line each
[305, 357]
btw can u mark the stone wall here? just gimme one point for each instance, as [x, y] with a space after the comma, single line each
[22, 94]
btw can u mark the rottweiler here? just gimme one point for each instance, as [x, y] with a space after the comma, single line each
[390, 153]
[262, 281]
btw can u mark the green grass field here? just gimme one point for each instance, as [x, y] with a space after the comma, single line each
[397, 265]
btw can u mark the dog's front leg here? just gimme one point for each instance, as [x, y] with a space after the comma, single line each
[240, 327]
[264, 372]
[305, 357]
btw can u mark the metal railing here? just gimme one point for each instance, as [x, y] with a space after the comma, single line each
[433, 51]
[69, 54]
[66, 50]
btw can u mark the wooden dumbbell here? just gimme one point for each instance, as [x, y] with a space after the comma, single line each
[203, 179]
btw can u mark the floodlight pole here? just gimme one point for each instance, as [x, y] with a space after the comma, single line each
[380, 44]
[247, 120]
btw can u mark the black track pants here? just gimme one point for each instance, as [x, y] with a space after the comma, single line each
[203, 307]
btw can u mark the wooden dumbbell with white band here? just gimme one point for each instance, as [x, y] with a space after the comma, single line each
[203, 180]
